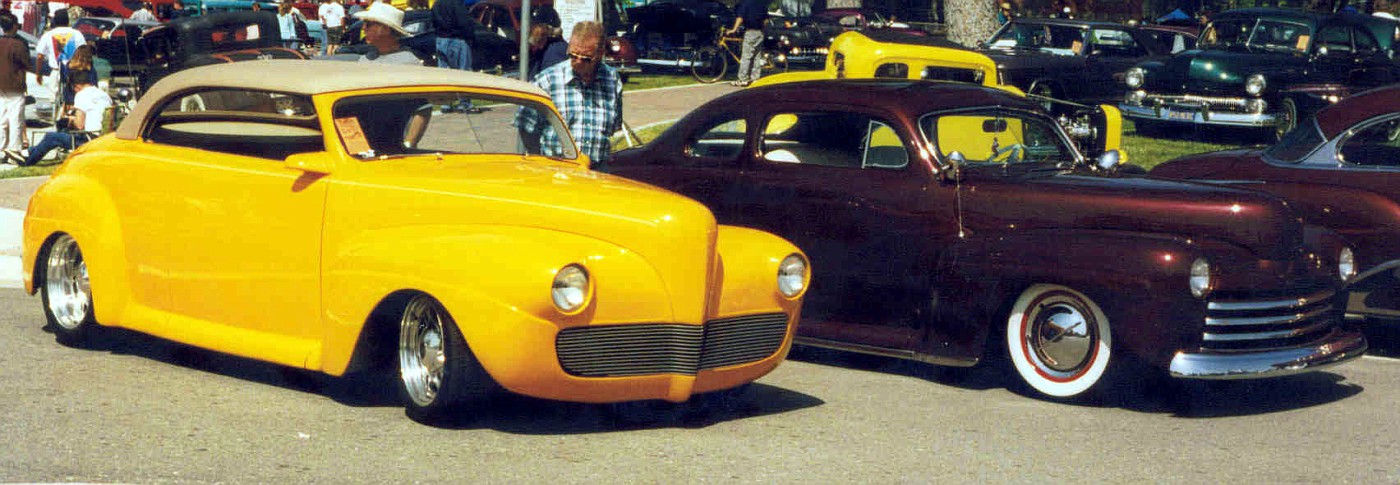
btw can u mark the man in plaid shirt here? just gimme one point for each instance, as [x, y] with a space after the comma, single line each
[588, 94]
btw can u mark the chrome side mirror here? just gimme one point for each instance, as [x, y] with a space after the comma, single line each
[952, 170]
[1108, 161]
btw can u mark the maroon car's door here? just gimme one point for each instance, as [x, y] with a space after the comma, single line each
[844, 187]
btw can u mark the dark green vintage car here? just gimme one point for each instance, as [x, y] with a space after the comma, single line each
[1264, 68]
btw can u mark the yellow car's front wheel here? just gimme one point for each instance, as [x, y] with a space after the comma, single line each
[67, 292]
[436, 368]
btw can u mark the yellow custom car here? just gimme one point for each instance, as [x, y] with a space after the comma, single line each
[330, 216]
[881, 54]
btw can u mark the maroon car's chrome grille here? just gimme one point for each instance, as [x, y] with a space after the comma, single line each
[669, 348]
[1267, 323]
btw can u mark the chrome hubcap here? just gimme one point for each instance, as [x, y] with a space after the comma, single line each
[422, 357]
[1061, 336]
[66, 283]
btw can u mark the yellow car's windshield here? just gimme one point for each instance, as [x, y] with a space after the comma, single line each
[449, 123]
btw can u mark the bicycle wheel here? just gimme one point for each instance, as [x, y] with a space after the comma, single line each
[774, 62]
[708, 64]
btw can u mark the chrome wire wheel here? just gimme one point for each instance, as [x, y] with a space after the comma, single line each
[67, 292]
[1059, 340]
[422, 353]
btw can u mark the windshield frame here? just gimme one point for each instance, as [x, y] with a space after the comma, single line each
[928, 139]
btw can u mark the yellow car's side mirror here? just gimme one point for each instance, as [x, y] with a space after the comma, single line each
[310, 162]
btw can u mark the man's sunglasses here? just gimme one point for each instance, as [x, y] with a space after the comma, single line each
[582, 58]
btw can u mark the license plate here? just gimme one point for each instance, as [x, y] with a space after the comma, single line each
[1181, 115]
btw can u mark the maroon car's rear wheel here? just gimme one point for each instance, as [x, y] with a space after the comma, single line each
[1058, 340]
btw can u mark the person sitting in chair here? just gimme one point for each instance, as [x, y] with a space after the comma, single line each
[82, 123]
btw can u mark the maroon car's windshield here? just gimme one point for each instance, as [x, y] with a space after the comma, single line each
[995, 137]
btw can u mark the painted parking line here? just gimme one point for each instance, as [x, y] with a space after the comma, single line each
[11, 228]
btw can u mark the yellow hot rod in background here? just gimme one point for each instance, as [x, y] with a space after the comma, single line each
[327, 216]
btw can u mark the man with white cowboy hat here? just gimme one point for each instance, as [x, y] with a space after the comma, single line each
[383, 27]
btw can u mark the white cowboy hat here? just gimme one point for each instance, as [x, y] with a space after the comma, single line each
[382, 12]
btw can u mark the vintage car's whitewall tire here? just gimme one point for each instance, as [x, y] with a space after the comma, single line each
[67, 292]
[1058, 340]
[437, 370]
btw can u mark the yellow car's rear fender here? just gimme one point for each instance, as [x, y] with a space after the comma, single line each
[494, 280]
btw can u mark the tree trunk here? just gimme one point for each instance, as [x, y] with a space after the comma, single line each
[971, 21]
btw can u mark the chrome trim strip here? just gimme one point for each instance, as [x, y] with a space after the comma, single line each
[1282, 303]
[1272, 334]
[1223, 118]
[1339, 347]
[1270, 320]
[884, 352]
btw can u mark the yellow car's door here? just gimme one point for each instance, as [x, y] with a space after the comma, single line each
[243, 236]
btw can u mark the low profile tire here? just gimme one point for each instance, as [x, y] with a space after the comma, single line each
[1287, 118]
[437, 371]
[1058, 340]
[67, 293]
[708, 64]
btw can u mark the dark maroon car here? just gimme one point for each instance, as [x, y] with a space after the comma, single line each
[943, 217]
[1340, 169]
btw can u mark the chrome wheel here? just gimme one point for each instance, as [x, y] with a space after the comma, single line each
[1059, 340]
[1287, 118]
[67, 292]
[422, 355]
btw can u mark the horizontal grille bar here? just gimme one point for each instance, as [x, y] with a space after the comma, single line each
[668, 348]
[1273, 334]
[1284, 303]
[1197, 99]
[1269, 320]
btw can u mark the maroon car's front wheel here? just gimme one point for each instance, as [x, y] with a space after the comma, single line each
[1058, 340]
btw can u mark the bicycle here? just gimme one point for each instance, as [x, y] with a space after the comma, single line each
[709, 63]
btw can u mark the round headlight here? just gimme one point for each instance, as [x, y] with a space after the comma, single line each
[1135, 77]
[1255, 85]
[1346, 264]
[792, 275]
[570, 290]
[1200, 278]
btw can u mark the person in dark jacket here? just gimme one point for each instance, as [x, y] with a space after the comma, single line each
[455, 29]
[14, 62]
[547, 48]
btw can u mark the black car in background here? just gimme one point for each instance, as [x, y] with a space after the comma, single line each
[803, 41]
[1263, 68]
[1072, 60]
[666, 30]
[211, 39]
[114, 39]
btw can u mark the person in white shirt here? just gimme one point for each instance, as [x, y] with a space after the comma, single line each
[144, 13]
[55, 48]
[90, 106]
[332, 16]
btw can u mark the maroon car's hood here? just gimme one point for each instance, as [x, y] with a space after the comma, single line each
[1261, 223]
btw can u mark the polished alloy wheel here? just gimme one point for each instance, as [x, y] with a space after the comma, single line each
[69, 294]
[422, 356]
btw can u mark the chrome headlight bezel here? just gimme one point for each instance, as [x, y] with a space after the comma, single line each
[1200, 280]
[1346, 264]
[572, 289]
[1135, 77]
[1254, 85]
[793, 275]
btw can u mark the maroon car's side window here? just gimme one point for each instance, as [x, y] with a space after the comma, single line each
[833, 139]
[723, 140]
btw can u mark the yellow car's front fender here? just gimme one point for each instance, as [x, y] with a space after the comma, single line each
[494, 280]
[79, 206]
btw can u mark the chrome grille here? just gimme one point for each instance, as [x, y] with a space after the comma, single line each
[1192, 101]
[669, 348]
[1268, 323]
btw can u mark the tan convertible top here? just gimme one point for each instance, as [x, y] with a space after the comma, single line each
[310, 78]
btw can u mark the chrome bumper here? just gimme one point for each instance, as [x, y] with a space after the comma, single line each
[1204, 117]
[1338, 347]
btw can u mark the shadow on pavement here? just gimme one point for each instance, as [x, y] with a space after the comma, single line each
[505, 412]
[1142, 388]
